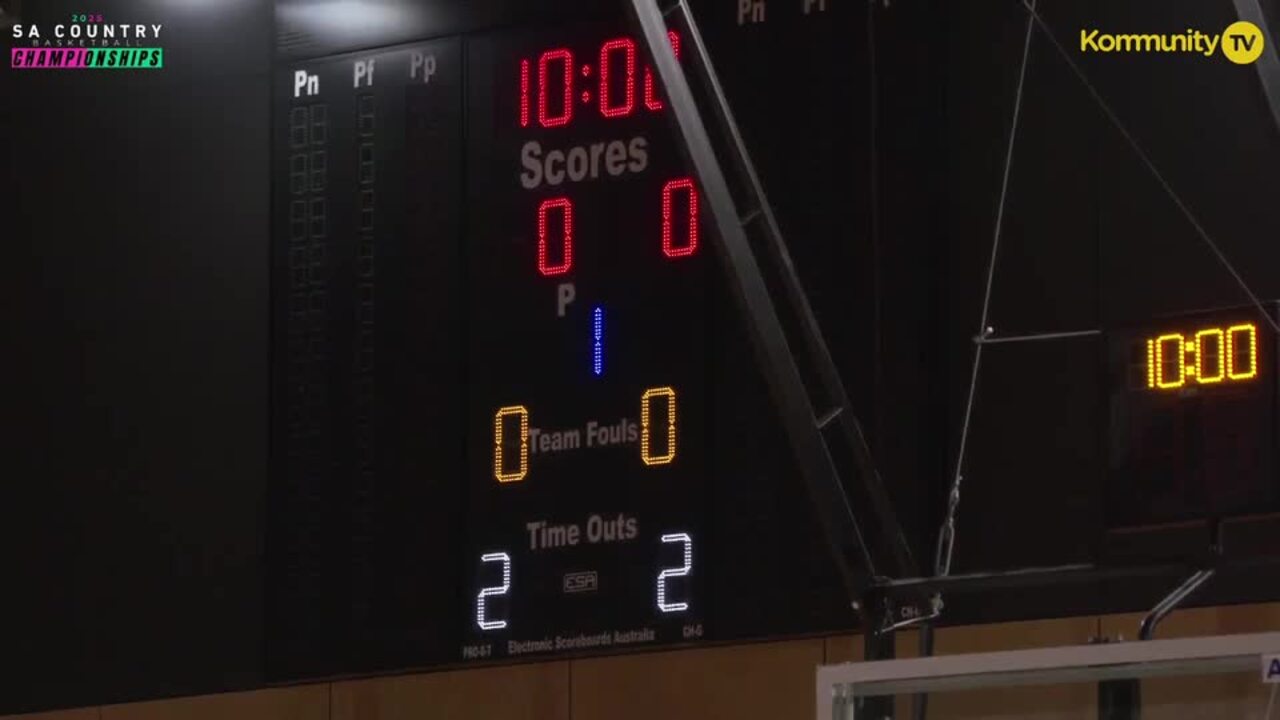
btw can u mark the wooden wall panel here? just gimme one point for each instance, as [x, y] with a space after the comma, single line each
[767, 680]
[849, 648]
[1224, 620]
[1211, 697]
[520, 692]
[78, 714]
[842, 648]
[296, 703]
[746, 682]
[1015, 635]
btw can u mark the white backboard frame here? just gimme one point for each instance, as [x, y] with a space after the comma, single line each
[838, 685]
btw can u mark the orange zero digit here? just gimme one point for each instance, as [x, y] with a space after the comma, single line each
[1159, 375]
[646, 426]
[500, 470]
[1210, 346]
[1242, 351]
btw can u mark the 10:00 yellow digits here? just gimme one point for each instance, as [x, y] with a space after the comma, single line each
[1210, 356]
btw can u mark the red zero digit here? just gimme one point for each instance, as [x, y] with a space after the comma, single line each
[651, 100]
[607, 53]
[689, 245]
[566, 61]
[566, 237]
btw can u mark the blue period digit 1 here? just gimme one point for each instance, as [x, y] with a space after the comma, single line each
[597, 340]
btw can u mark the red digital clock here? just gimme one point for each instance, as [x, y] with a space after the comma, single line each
[551, 80]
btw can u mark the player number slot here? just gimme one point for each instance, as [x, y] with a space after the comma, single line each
[663, 430]
[501, 463]
[482, 611]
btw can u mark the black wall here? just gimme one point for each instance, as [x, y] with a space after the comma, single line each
[135, 288]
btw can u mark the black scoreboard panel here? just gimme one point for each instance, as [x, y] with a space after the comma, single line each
[515, 412]
[1158, 277]
[1193, 426]
[1194, 449]
[366, 433]
[587, 374]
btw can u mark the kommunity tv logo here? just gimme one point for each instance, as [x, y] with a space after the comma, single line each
[1242, 42]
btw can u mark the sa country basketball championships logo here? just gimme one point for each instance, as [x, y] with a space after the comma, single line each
[1241, 43]
[86, 41]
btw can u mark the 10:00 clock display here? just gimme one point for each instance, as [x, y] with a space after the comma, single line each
[1208, 356]
[555, 72]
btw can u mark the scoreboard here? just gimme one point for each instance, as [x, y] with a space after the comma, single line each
[1193, 429]
[587, 387]
[514, 413]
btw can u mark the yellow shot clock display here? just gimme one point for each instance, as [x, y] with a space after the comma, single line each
[1192, 418]
[1206, 356]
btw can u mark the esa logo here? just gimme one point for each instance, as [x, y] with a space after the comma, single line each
[1271, 669]
[581, 582]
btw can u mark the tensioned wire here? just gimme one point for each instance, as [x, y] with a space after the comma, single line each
[946, 537]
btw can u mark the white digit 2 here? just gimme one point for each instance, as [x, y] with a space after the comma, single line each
[681, 571]
[487, 592]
